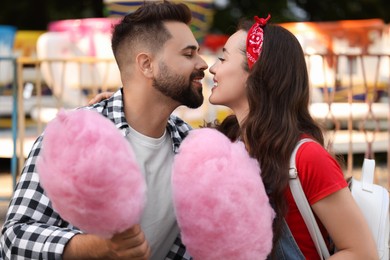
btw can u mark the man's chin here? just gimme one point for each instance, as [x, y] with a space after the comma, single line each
[194, 98]
[195, 103]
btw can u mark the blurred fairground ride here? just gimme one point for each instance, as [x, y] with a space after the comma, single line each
[348, 65]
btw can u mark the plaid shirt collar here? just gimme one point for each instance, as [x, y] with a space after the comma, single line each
[113, 109]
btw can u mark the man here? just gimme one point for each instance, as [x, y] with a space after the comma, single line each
[161, 69]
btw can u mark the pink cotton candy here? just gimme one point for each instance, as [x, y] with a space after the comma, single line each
[221, 205]
[89, 172]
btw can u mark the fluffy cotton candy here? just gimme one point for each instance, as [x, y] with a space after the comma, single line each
[221, 205]
[89, 172]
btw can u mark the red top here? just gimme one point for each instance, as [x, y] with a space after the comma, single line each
[320, 176]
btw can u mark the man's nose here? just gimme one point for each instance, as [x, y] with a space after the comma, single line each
[202, 65]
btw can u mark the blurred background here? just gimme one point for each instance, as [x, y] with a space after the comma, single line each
[56, 54]
[35, 15]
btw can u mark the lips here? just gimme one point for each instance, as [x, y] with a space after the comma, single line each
[215, 83]
[197, 77]
[197, 82]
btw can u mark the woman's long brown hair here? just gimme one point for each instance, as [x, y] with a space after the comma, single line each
[278, 95]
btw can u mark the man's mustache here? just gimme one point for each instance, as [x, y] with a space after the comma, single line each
[197, 74]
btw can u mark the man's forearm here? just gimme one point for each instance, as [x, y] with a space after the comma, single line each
[85, 246]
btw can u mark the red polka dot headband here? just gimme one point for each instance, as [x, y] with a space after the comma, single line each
[254, 40]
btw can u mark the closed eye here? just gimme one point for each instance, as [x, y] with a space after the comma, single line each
[190, 51]
[221, 59]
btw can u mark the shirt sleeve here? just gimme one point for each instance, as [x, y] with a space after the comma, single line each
[319, 172]
[320, 176]
[32, 229]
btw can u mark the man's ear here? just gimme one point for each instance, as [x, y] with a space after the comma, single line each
[144, 63]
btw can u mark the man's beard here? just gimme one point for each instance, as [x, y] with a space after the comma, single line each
[178, 87]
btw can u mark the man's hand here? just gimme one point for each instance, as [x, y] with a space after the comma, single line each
[99, 97]
[130, 244]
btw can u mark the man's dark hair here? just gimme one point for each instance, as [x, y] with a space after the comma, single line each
[145, 26]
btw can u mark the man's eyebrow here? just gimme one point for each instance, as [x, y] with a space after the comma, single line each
[191, 47]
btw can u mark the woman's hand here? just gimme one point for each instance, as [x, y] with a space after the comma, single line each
[99, 97]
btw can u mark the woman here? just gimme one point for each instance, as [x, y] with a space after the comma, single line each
[262, 77]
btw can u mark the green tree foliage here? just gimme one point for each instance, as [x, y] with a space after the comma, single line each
[36, 14]
[332, 10]
[225, 19]
[300, 10]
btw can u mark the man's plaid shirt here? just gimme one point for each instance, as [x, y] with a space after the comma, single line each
[33, 230]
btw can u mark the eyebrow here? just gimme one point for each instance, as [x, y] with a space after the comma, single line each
[191, 47]
[225, 50]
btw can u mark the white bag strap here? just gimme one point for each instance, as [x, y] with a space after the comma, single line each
[367, 177]
[303, 205]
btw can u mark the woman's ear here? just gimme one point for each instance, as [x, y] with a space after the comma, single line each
[144, 63]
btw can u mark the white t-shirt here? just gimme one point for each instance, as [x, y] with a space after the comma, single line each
[155, 158]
